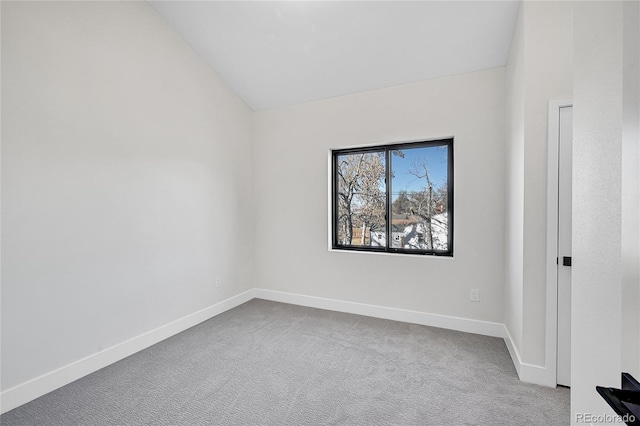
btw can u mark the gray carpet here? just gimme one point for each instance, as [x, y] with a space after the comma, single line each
[267, 363]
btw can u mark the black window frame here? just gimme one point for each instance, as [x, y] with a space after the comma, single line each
[388, 149]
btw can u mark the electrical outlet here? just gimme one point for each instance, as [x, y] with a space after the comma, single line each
[218, 282]
[475, 295]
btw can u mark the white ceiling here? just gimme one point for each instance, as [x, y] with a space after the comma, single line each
[281, 53]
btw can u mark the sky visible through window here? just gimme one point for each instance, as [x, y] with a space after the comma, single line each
[436, 160]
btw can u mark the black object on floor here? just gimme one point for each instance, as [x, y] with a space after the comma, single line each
[626, 401]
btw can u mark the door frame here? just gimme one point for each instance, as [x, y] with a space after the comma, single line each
[553, 143]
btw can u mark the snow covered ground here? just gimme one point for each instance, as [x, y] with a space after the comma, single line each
[414, 235]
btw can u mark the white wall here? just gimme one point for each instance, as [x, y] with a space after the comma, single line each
[637, 127]
[539, 70]
[126, 182]
[514, 181]
[606, 280]
[291, 186]
[630, 220]
[597, 179]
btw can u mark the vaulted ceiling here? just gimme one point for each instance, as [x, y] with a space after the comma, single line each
[281, 53]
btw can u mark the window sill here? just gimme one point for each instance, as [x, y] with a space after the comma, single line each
[386, 253]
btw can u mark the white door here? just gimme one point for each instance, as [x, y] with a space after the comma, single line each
[564, 246]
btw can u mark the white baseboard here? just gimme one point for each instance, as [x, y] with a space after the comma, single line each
[529, 373]
[486, 328]
[32, 389]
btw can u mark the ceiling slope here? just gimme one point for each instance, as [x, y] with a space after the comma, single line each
[281, 53]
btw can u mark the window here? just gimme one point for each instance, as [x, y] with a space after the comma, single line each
[394, 198]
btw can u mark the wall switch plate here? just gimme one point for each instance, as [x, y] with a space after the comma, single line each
[475, 295]
[218, 282]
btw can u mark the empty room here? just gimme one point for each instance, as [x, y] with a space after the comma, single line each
[320, 212]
